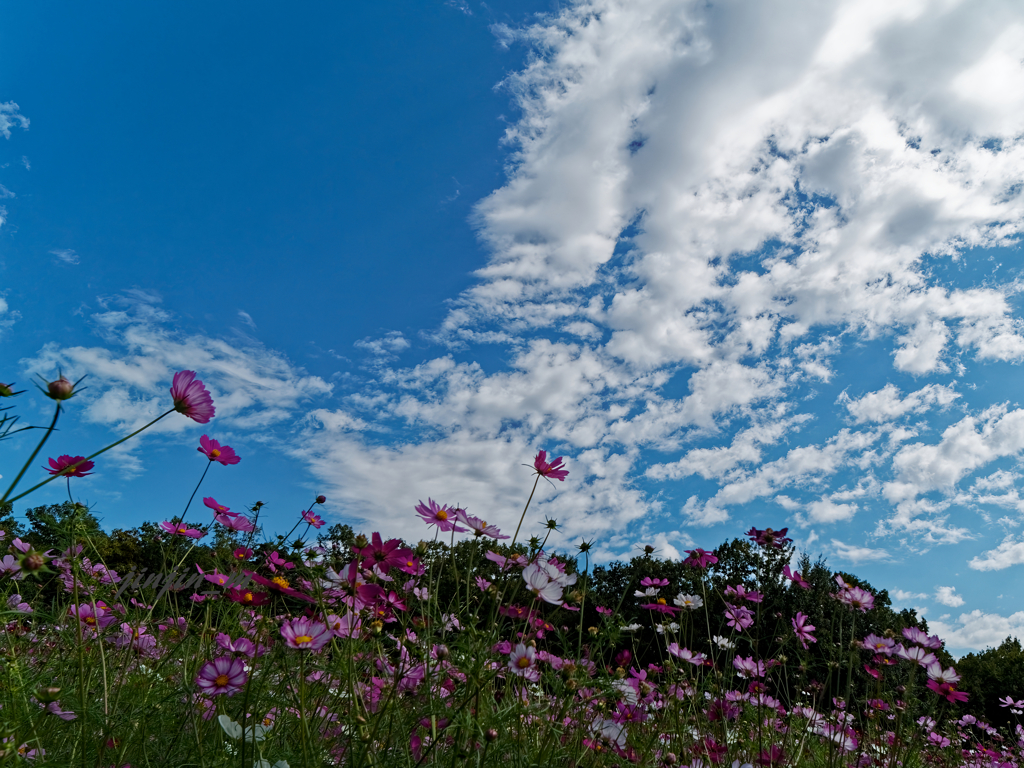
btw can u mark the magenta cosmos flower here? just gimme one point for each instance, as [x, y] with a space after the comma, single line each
[222, 675]
[478, 526]
[305, 634]
[442, 517]
[313, 519]
[181, 530]
[214, 451]
[60, 466]
[191, 397]
[699, 558]
[553, 469]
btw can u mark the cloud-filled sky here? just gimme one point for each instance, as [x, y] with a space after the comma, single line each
[741, 265]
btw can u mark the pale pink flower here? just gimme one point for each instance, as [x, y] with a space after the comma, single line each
[305, 634]
[223, 675]
[685, 654]
[748, 667]
[522, 661]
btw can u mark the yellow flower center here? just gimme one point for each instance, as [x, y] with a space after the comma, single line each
[523, 662]
[247, 597]
[214, 453]
[280, 581]
[90, 620]
[442, 515]
[661, 601]
[300, 639]
[222, 680]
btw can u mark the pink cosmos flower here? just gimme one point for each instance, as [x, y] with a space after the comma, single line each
[242, 553]
[222, 675]
[699, 558]
[313, 519]
[743, 593]
[920, 655]
[915, 635]
[540, 582]
[242, 645]
[740, 617]
[214, 451]
[191, 398]
[522, 662]
[181, 530]
[61, 466]
[948, 690]
[478, 526]
[92, 620]
[384, 554]
[769, 538]
[748, 667]
[857, 599]
[235, 523]
[305, 634]
[697, 659]
[661, 606]
[795, 577]
[647, 581]
[553, 469]
[940, 675]
[439, 516]
[883, 645]
[218, 508]
[348, 624]
[803, 630]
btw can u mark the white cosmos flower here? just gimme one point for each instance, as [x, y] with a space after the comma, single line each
[234, 730]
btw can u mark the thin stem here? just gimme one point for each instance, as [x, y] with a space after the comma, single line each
[77, 463]
[32, 458]
[185, 512]
[523, 516]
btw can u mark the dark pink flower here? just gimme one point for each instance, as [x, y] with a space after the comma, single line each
[235, 523]
[795, 577]
[699, 558]
[222, 675]
[191, 398]
[948, 690]
[661, 605]
[181, 530]
[214, 451]
[769, 538]
[280, 585]
[60, 466]
[553, 469]
[384, 554]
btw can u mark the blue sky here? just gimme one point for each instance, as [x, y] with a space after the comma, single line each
[740, 266]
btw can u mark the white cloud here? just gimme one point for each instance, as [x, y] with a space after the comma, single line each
[857, 555]
[247, 319]
[886, 404]
[66, 255]
[1009, 552]
[978, 630]
[948, 596]
[10, 117]
[903, 596]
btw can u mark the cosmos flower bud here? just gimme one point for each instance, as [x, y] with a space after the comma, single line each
[361, 541]
[6, 390]
[321, 499]
[490, 734]
[47, 694]
[61, 389]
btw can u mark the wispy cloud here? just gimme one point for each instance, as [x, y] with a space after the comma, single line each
[66, 255]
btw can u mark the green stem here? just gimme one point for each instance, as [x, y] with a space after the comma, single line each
[75, 465]
[24, 469]
[523, 516]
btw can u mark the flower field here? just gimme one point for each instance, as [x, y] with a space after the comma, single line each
[472, 647]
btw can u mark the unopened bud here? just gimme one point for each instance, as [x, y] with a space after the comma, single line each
[490, 734]
[552, 525]
[61, 389]
[593, 631]
[321, 499]
[361, 541]
[47, 694]
[585, 546]
[648, 550]
[376, 626]
[620, 673]
[6, 390]
[669, 759]
[33, 562]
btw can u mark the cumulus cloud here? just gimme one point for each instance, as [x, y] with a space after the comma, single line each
[978, 630]
[1009, 552]
[948, 596]
[887, 405]
[11, 117]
